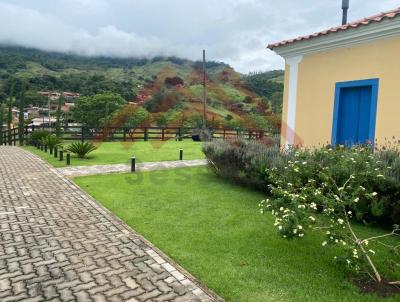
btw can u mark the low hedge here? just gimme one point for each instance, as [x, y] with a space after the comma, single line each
[250, 163]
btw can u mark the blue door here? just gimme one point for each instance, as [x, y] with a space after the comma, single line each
[355, 112]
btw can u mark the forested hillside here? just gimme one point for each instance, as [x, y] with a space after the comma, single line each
[164, 86]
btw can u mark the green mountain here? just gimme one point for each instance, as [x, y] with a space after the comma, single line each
[159, 84]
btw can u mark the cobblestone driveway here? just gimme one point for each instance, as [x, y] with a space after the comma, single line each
[57, 244]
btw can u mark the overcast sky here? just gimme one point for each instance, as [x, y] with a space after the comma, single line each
[233, 31]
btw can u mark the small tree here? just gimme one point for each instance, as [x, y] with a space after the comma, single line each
[335, 184]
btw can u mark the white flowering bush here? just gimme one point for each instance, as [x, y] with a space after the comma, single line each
[324, 190]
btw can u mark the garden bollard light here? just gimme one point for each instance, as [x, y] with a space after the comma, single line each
[55, 152]
[61, 155]
[51, 150]
[133, 164]
[181, 154]
[45, 148]
[68, 159]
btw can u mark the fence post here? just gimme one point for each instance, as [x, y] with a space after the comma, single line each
[45, 148]
[55, 152]
[146, 135]
[68, 159]
[180, 134]
[181, 154]
[51, 150]
[15, 136]
[61, 155]
[162, 134]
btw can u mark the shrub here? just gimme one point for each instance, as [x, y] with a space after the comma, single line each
[252, 163]
[339, 183]
[81, 149]
[246, 162]
[36, 137]
[51, 140]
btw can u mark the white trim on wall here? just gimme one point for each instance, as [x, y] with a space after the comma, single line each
[293, 63]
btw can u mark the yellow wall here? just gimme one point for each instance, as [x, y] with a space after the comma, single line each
[318, 74]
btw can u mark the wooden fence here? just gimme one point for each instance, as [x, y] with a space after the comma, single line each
[82, 133]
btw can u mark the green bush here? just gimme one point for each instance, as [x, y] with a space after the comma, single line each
[51, 140]
[256, 164]
[246, 162]
[36, 137]
[81, 149]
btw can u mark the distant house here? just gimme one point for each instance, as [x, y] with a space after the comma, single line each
[54, 95]
[342, 84]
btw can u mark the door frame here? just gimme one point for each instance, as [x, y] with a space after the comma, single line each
[374, 83]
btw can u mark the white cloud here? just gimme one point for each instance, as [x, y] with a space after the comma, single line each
[234, 31]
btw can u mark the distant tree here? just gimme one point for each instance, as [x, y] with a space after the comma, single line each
[174, 81]
[34, 99]
[277, 101]
[91, 110]
[139, 117]
[21, 86]
[266, 86]
[2, 110]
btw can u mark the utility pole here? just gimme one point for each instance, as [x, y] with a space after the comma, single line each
[204, 90]
[48, 106]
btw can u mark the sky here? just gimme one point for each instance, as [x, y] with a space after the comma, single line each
[233, 31]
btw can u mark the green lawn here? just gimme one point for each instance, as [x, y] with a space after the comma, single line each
[119, 152]
[214, 230]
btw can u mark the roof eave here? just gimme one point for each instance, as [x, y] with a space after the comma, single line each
[385, 29]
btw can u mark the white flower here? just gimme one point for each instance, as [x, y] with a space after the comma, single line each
[324, 243]
[312, 218]
[340, 221]
[279, 227]
[301, 235]
[299, 227]
[295, 231]
[328, 232]
[366, 242]
[281, 209]
[380, 175]
[356, 199]
[374, 194]
[349, 212]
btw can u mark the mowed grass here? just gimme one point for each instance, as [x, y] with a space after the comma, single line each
[214, 229]
[121, 153]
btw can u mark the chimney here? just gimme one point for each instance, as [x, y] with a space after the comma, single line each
[345, 8]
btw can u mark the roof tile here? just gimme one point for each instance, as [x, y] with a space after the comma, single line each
[363, 22]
